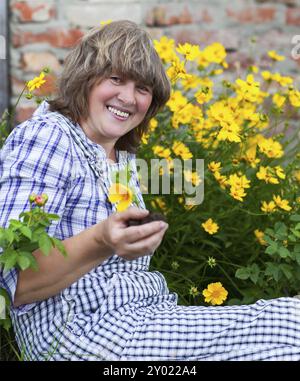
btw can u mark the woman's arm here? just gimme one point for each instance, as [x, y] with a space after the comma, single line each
[86, 251]
[55, 272]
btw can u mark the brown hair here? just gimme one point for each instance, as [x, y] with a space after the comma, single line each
[121, 47]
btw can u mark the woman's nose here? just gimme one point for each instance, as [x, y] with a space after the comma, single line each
[127, 93]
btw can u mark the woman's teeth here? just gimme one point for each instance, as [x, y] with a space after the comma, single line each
[115, 111]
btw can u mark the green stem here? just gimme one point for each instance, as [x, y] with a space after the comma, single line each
[230, 279]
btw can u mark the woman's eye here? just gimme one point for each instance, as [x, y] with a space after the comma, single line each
[115, 79]
[144, 89]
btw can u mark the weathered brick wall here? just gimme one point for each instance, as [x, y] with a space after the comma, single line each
[43, 31]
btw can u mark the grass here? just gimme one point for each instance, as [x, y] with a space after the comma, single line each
[8, 346]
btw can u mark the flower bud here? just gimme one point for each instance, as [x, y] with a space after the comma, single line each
[39, 200]
[32, 198]
[45, 197]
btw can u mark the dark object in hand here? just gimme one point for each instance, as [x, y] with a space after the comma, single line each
[152, 216]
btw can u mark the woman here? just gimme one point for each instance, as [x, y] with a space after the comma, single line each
[102, 303]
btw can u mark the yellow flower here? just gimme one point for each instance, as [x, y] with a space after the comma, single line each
[161, 151]
[283, 204]
[294, 98]
[214, 166]
[260, 236]
[165, 48]
[297, 175]
[279, 172]
[177, 71]
[215, 293]
[238, 181]
[190, 52]
[270, 148]
[36, 82]
[181, 150]
[214, 53]
[237, 193]
[192, 177]
[176, 101]
[222, 180]
[102, 23]
[267, 174]
[282, 80]
[267, 76]
[120, 195]
[268, 207]
[248, 90]
[210, 226]
[204, 95]
[275, 56]
[278, 100]
[160, 203]
[153, 124]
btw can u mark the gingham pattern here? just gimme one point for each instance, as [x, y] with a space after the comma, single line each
[119, 310]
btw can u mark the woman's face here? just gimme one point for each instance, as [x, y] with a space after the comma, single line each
[116, 106]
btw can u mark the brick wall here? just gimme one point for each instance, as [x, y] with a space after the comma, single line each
[43, 31]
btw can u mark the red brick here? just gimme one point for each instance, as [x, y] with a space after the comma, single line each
[163, 16]
[36, 61]
[252, 15]
[59, 38]
[292, 16]
[27, 13]
[206, 16]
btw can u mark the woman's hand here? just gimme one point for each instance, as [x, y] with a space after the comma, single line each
[133, 241]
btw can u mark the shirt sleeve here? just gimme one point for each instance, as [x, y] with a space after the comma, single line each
[34, 159]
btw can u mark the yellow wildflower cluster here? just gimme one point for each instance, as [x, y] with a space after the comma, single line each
[270, 175]
[277, 202]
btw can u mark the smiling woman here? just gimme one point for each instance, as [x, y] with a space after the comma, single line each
[114, 67]
[102, 302]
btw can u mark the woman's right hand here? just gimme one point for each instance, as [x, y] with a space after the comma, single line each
[133, 241]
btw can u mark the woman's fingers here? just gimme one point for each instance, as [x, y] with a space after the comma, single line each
[131, 213]
[138, 233]
[143, 246]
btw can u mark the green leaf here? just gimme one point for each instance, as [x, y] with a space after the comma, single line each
[31, 258]
[269, 240]
[295, 217]
[11, 261]
[23, 262]
[270, 232]
[26, 232]
[15, 223]
[272, 249]
[242, 273]
[295, 232]
[45, 244]
[287, 270]
[297, 257]
[59, 245]
[9, 235]
[283, 252]
[272, 270]
[280, 229]
[254, 273]
[53, 216]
